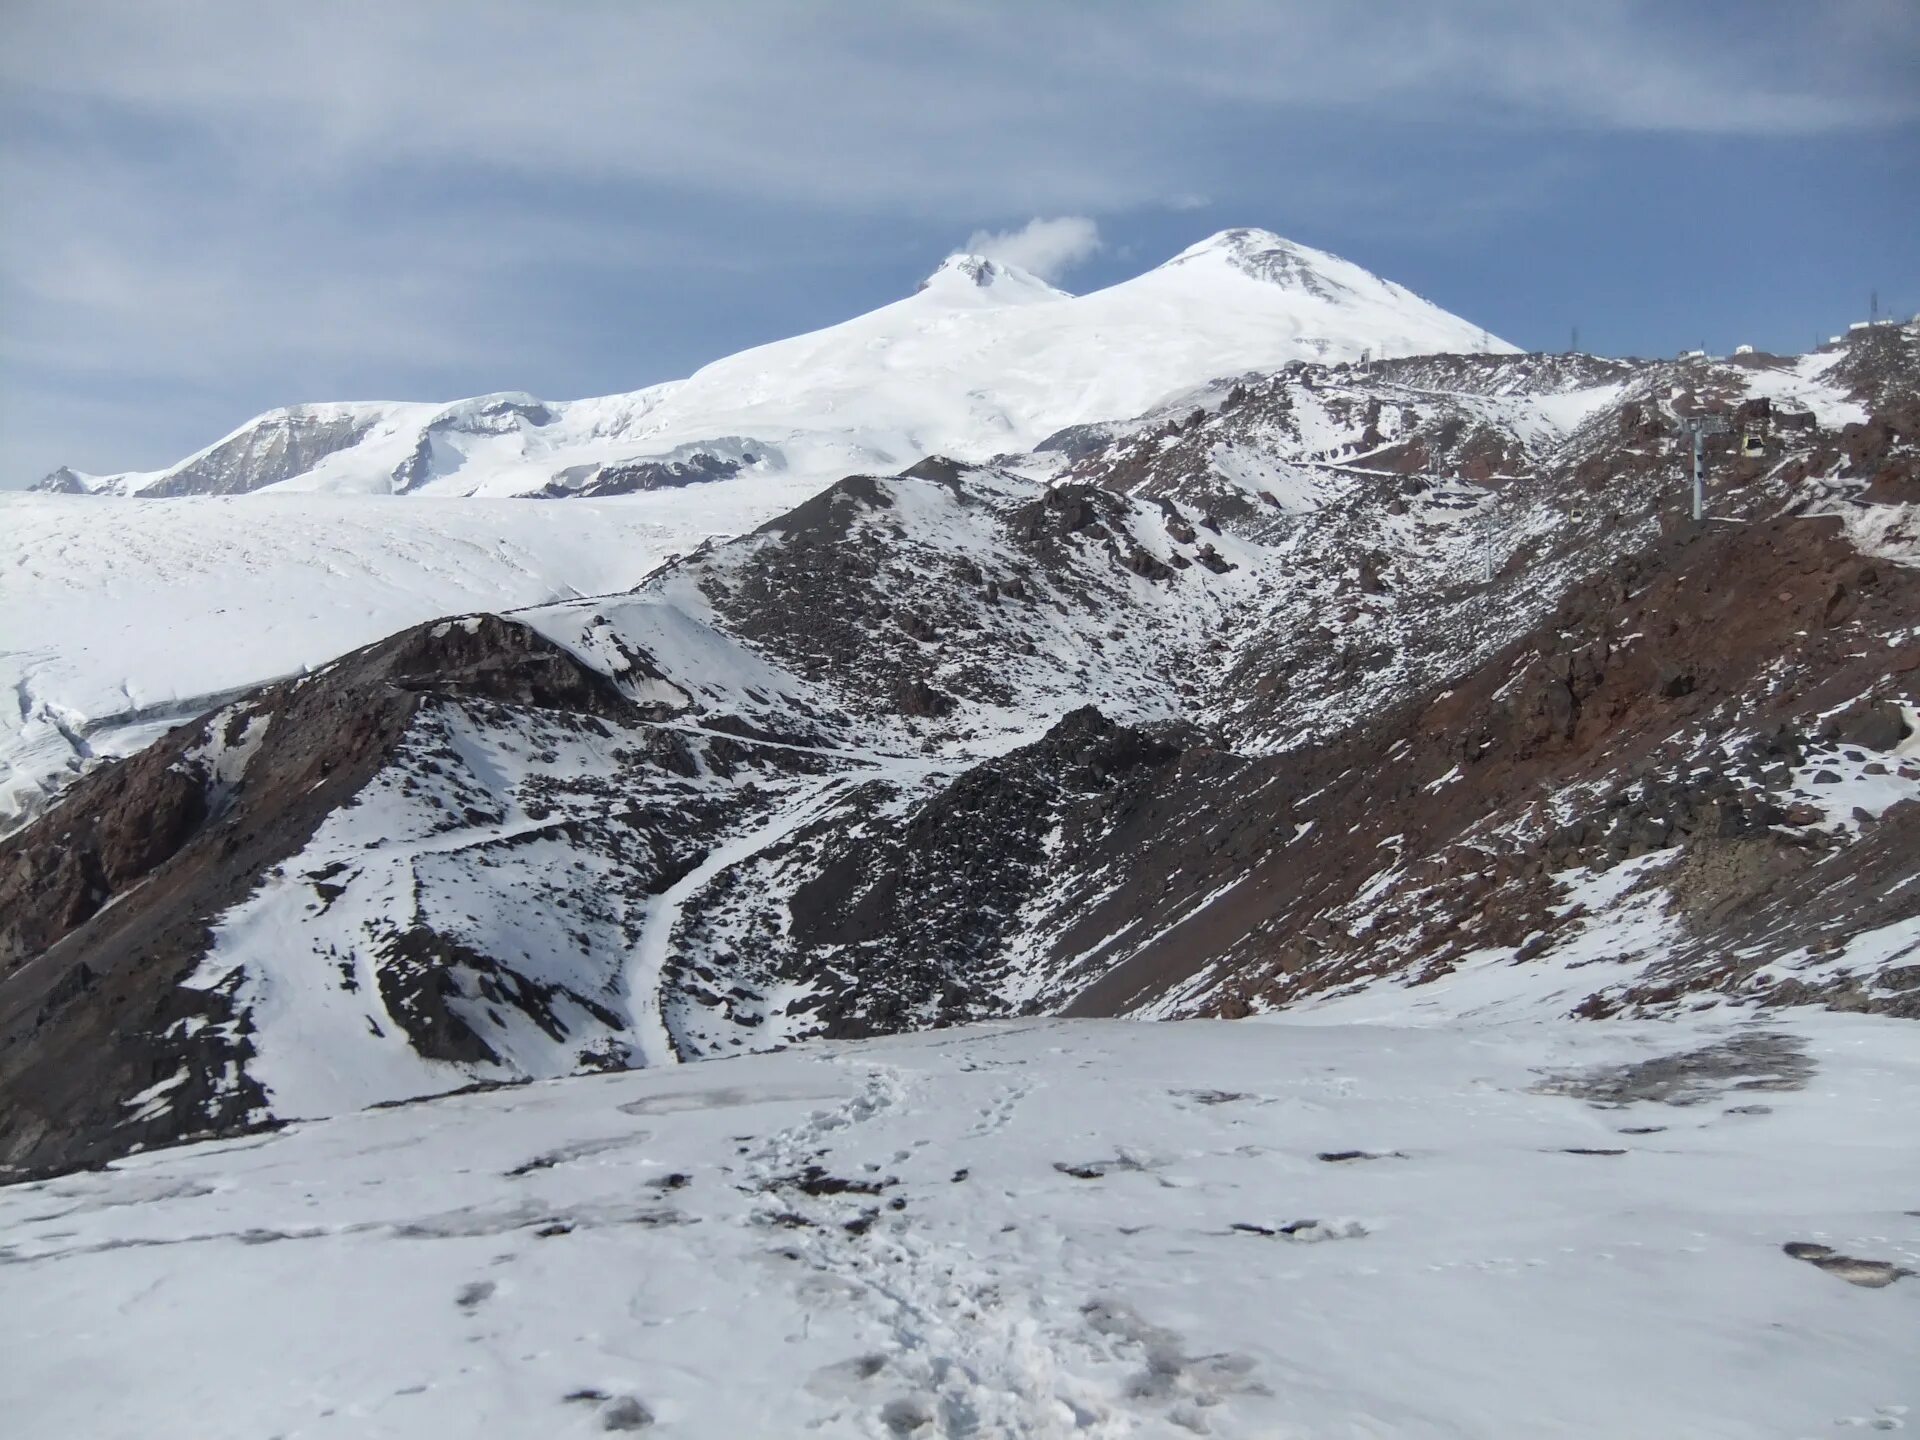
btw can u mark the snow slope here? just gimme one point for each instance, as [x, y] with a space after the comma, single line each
[983, 359]
[1047, 1229]
[124, 619]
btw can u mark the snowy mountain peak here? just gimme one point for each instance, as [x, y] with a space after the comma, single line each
[1263, 255]
[65, 481]
[1240, 239]
[985, 359]
[957, 275]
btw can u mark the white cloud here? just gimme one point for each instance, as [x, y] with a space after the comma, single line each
[931, 107]
[1048, 248]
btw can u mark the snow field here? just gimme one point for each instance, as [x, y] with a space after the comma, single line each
[1030, 1229]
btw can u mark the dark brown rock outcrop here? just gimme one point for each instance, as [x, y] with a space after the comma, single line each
[105, 901]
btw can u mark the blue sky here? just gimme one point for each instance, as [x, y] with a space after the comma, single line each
[209, 208]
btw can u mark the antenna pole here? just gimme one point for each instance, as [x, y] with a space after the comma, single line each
[1699, 474]
[1699, 427]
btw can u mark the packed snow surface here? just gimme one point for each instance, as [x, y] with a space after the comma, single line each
[1054, 1228]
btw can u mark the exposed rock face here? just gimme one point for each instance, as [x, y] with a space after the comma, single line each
[891, 920]
[1577, 751]
[1219, 720]
[632, 476]
[277, 446]
[108, 899]
[63, 481]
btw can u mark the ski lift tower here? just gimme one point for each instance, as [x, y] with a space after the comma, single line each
[1699, 427]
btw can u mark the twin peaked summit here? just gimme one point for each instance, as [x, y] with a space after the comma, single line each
[983, 359]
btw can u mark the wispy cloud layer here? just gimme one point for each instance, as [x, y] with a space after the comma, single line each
[934, 103]
[1048, 248]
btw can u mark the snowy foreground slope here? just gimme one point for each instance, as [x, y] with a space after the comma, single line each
[1434, 1227]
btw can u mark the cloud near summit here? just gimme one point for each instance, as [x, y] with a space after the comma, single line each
[1047, 248]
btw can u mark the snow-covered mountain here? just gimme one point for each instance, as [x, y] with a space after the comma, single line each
[1318, 680]
[982, 359]
[125, 618]
[1553, 851]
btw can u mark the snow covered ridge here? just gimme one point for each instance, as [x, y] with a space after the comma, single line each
[1040, 1229]
[1413, 680]
[1323, 681]
[983, 359]
[239, 590]
[123, 621]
